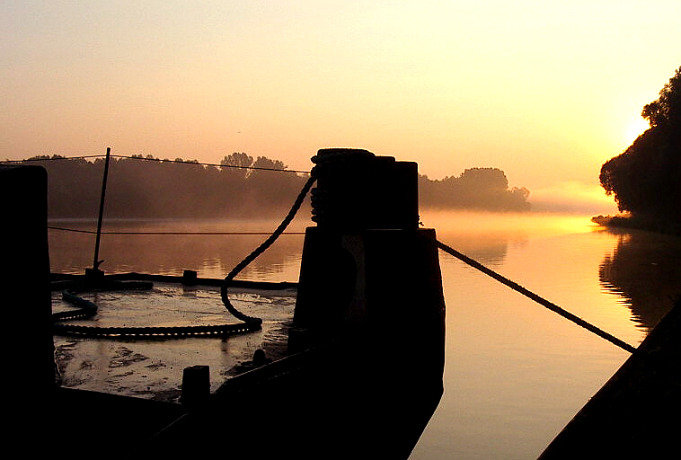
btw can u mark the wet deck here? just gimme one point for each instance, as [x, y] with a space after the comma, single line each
[153, 368]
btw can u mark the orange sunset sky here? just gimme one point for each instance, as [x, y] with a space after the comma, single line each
[546, 90]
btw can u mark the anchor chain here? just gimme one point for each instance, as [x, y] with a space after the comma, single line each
[88, 309]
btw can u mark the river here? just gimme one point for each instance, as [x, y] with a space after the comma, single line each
[515, 372]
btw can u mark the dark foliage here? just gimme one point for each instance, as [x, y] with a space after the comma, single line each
[476, 188]
[646, 179]
[147, 187]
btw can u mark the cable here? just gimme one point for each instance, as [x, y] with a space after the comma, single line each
[184, 162]
[91, 232]
[220, 165]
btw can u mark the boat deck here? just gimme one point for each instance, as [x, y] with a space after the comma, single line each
[153, 368]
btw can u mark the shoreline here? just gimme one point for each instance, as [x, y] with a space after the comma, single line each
[639, 223]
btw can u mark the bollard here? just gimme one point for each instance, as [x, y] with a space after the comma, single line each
[189, 278]
[195, 385]
[367, 263]
[370, 299]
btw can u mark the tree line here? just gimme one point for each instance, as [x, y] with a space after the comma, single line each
[239, 187]
[645, 179]
[476, 188]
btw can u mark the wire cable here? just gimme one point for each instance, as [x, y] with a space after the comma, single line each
[159, 160]
[91, 232]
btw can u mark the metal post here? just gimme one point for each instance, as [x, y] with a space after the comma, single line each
[96, 262]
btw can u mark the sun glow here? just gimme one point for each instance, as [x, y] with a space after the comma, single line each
[635, 128]
[449, 85]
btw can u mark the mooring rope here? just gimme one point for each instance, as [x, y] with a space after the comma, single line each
[259, 250]
[551, 306]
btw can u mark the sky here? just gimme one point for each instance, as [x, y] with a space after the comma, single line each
[546, 90]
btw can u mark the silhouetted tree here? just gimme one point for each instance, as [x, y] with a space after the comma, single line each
[237, 164]
[666, 110]
[645, 180]
[475, 188]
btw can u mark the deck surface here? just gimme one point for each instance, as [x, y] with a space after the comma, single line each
[153, 369]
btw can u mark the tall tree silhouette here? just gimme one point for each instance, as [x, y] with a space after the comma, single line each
[645, 180]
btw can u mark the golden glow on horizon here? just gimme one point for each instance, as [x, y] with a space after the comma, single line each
[450, 224]
[545, 91]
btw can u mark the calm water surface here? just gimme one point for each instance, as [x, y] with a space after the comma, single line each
[515, 373]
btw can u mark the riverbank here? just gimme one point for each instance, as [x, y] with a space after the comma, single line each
[669, 227]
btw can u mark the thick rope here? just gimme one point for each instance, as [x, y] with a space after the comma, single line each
[259, 250]
[551, 306]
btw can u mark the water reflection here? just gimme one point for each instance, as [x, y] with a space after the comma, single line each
[212, 255]
[645, 270]
[478, 235]
[484, 237]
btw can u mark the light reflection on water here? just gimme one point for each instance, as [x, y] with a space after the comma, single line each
[212, 255]
[515, 372]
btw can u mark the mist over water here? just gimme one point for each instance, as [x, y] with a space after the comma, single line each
[573, 198]
[480, 224]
